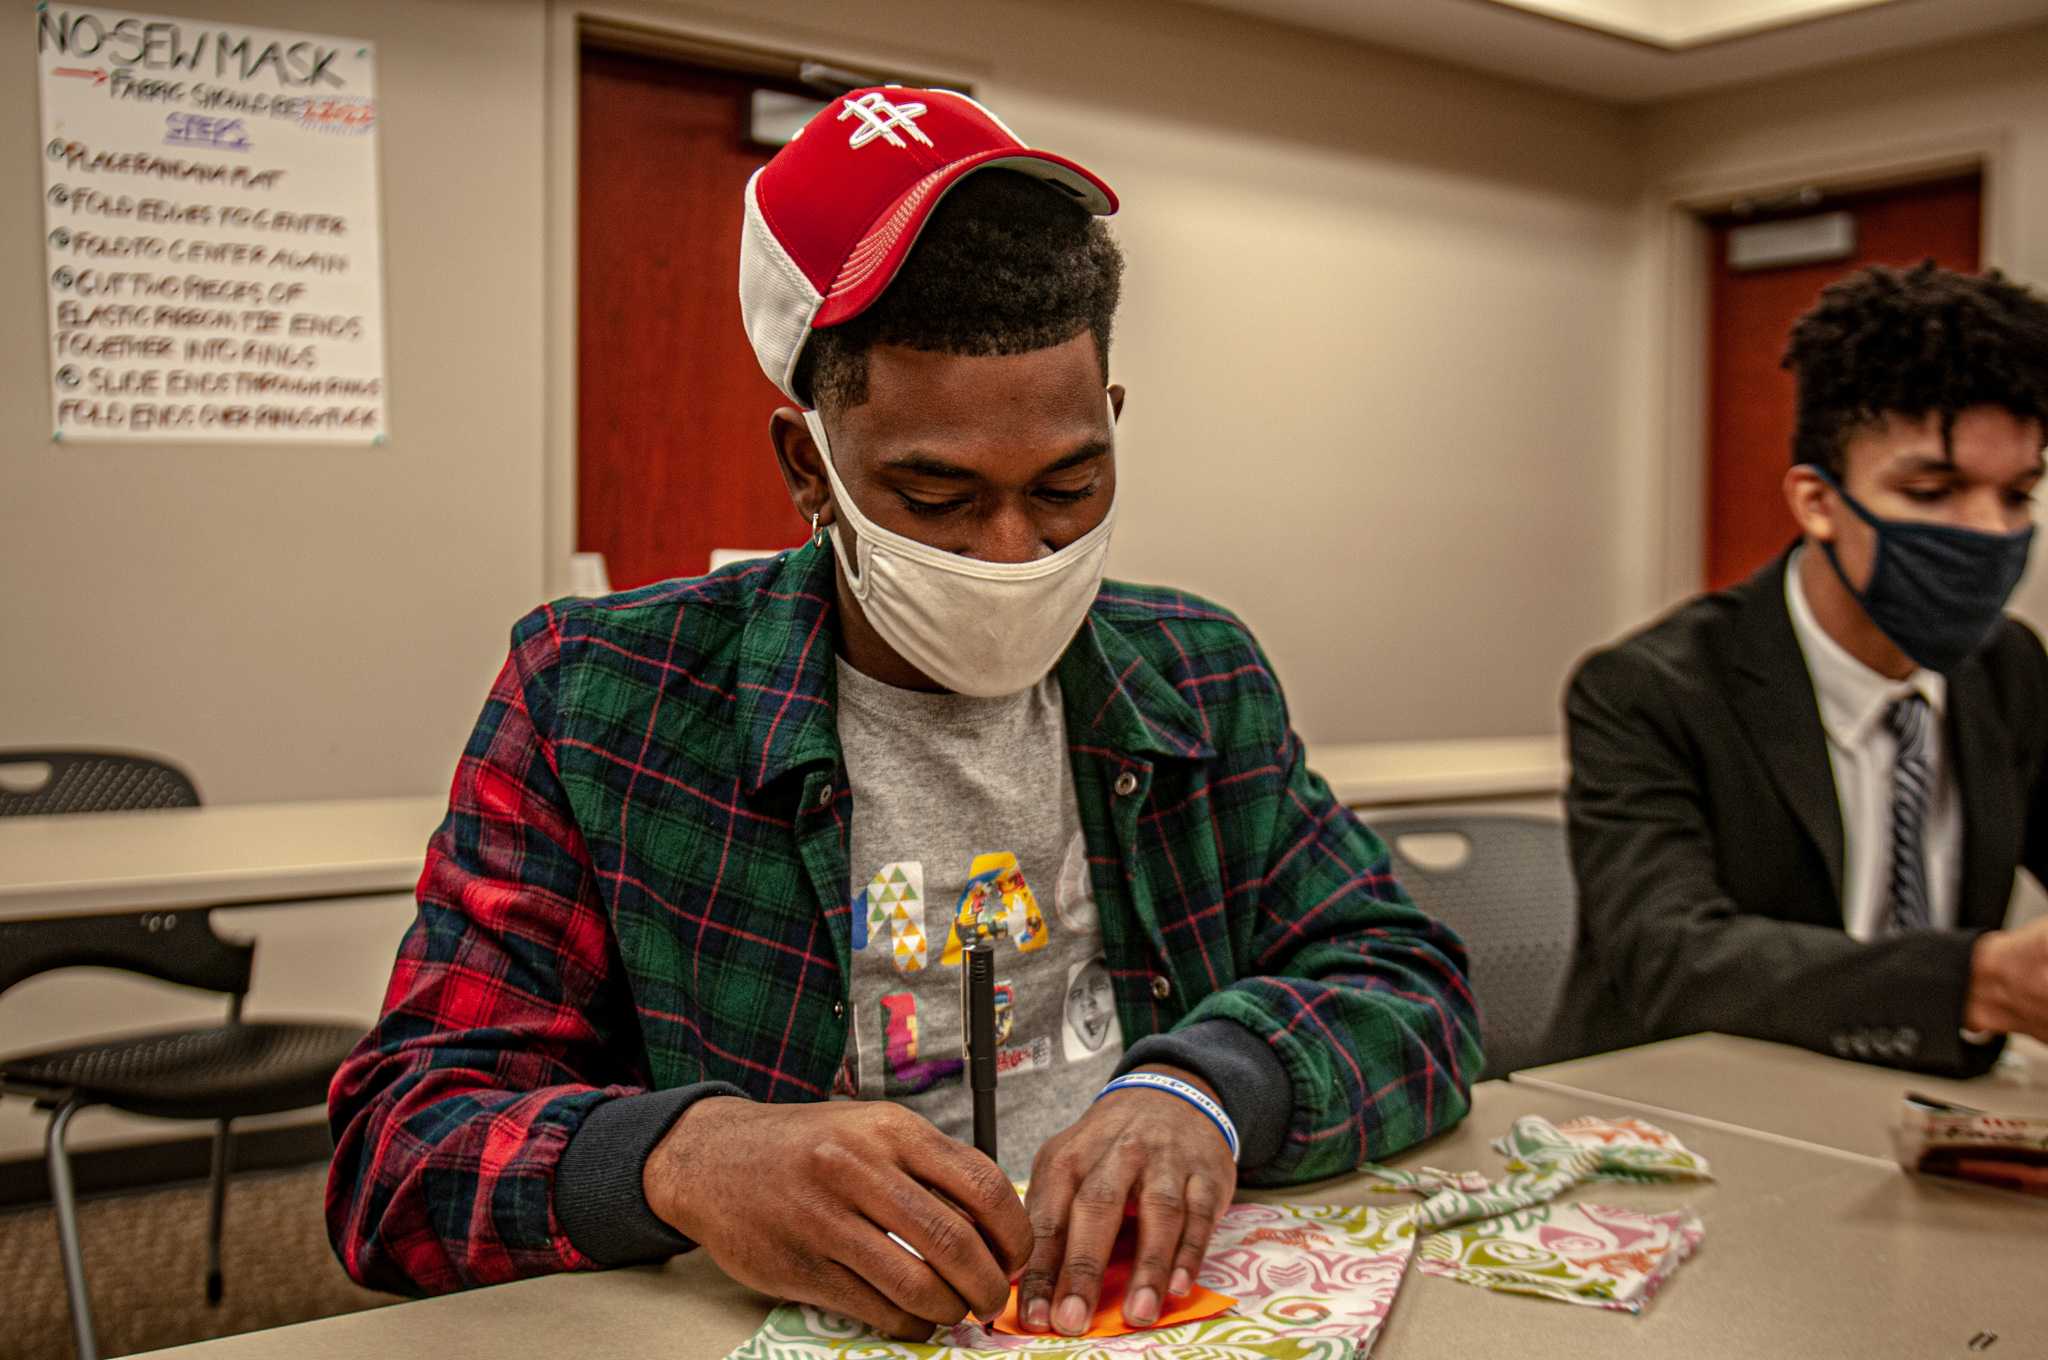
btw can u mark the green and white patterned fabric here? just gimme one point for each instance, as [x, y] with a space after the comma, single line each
[1316, 1282]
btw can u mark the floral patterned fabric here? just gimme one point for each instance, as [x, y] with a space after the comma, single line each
[1312, 1281]
[1574, 1253]
[1510, 1236]
[1316, 1281]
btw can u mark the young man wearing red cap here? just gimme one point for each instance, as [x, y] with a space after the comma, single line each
[716, 846]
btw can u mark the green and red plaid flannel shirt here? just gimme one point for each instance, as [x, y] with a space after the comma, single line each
[643, 882]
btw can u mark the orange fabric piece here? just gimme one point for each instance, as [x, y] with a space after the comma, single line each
[1109, 1308]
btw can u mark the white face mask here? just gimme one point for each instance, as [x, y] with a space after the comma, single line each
[980, 628]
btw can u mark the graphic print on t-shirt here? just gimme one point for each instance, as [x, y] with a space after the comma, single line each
[904, 1072]
[1006, 1011]
[892, 905]
[1074, 895]
[963, 825]
[1089, 1012]
[997, 901]
[1029, 1056]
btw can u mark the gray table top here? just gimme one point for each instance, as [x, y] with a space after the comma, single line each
[1807, 1251]
[175, 858]
[1789, 1092]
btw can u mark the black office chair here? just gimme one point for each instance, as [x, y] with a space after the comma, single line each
[38, 783]
[215, 1073]
[1512, 897]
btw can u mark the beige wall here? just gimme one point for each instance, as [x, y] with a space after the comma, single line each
[302, 621]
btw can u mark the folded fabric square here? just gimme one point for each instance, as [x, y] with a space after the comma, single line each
[1508, 1235]
[1604, 1149]
[1575, 1253]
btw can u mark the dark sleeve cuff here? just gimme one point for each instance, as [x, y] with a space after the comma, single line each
[598, 1197]
[1247, 1074]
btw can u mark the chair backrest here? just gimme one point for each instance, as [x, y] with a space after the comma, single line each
[1511, 895]
[172, 946]
[40, 783]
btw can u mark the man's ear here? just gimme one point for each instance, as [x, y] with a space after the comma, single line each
[1116, 400]
[1806, 496]
[803, 468]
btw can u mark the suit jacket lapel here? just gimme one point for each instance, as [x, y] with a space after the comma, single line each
[1990, 797]
[1773, 694]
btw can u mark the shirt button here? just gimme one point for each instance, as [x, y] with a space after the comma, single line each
[839, 1010]
[824, 795]
[1161, 988]
[1126, 784]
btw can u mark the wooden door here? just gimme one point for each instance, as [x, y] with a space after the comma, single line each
[673, 457]
[1750, 398]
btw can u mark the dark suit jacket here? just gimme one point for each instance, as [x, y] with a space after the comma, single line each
[1708, 841]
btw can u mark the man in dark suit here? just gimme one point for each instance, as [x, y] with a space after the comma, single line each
[1797, 806]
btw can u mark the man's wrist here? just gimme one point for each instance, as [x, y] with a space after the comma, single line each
[1195, 1094]
[1986, 1008]
[663, 1174]
[600, 1184]
[1193, 1079]
[1239, 1068]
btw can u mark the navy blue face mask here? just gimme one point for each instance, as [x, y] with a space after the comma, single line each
[1935, 590]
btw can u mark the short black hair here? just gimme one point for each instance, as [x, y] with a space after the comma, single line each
[1006, 264]
[1917, 341]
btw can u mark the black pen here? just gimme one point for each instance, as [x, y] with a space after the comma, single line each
[978, 1023]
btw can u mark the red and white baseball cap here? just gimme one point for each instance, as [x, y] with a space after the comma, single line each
[832, 218]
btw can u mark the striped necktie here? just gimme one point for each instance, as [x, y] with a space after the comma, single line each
[1912, 789]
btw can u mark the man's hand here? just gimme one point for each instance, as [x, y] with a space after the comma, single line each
[2009, 982]
[1147, 1145]
[797, 1201]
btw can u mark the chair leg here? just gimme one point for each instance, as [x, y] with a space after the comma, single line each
[223, 1154]
[65, 1200]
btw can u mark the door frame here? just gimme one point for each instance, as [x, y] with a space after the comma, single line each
[662, 29]
[1674, 480]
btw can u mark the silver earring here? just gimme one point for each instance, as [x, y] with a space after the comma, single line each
[817, 534]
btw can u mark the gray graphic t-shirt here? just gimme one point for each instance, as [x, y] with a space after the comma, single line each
[965, 806]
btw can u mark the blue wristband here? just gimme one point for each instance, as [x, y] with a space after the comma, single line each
[1159, 1081]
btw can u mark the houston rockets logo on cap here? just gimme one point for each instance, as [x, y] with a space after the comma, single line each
[880, 118]
[833, 216]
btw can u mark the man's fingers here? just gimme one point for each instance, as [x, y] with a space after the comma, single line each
[841, 1291]
[1162, 1210]
[1205, 1205]
[950, 1245]
[1092, 1226]
[900, 1277]
[1052, 1190]
[981, 1190]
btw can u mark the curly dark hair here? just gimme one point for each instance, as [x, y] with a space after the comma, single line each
[1916, 342]
[1006, 264]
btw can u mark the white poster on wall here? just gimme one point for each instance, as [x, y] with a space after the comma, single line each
[211, 231]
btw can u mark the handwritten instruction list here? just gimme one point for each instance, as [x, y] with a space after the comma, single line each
[213, 261]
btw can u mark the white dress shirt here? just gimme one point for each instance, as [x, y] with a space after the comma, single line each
[1861, 750]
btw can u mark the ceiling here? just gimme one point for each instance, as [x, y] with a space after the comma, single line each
[1645, 51]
